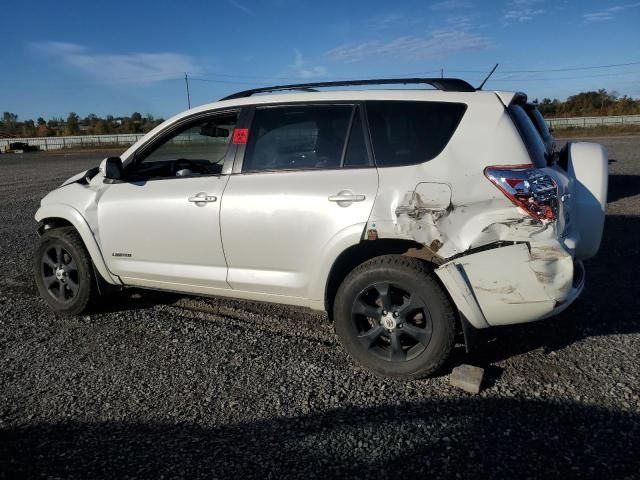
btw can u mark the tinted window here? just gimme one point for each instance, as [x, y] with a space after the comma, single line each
[297, 137]
[405, 133]
[356, 153]
[530, 135]
[197, 148]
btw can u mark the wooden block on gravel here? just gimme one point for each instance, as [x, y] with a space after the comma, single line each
[467, 378]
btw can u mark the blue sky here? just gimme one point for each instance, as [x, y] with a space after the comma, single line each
[119, 57]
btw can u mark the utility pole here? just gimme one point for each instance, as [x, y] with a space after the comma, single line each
[186, 80]
[442, 73]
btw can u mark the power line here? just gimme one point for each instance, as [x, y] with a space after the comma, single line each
[168, 76]
[213, 80]
[533, 79]
[571, 69]
[546, 70]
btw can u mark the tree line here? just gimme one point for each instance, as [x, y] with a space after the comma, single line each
[11, 126]
[595, 103]
[587, 104]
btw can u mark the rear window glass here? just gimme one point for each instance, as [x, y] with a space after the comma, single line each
[404, 133]
[529, 135]
[297, 137]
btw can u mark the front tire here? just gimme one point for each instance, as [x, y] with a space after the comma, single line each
[63, 271]
[394, 318]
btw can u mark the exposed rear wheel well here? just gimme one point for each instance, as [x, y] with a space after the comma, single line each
[358, 254]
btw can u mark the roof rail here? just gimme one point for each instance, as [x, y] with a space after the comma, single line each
[446, 84]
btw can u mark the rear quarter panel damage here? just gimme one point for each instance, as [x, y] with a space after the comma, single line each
[449, 206]
[513, 284]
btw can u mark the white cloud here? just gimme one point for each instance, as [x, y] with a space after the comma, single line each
[450, 5]
[388, 20]
[241, 7]
[455, 37]
[608, 13]
[522, 10]
[302, 69]
[597, 16]
[131, 68]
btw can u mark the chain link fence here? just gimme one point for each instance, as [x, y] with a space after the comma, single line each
[77, 141]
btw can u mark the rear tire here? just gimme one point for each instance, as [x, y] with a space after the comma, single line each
[63, 271]
[394, 318]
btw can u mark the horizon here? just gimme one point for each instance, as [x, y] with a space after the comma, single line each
[139, 61]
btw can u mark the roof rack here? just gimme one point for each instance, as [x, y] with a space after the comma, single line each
[446, 84]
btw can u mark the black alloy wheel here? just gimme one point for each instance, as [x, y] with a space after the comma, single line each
[59, 273]
[393, 317]
[393, 322]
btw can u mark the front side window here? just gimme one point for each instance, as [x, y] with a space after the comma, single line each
[297, 137]
[405, 133]
[198, 148]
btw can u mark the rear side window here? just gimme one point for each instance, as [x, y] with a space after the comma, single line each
[405, 133]
[297, 137]
[530, 136]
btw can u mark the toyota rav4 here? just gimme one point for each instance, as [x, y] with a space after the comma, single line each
[408, 215]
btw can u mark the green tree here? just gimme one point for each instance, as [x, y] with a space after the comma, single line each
[9, 122]
[43, 130]
[102, 127]
[72, 125]
[27, 129]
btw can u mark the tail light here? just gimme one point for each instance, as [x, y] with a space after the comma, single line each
[528, 188]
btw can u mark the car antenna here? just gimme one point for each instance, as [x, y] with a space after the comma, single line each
[487, 77]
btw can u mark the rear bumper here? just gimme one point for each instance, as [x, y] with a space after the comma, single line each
[575, 291]
[514, 284]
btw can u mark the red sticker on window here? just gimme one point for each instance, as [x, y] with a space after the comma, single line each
[240, 136]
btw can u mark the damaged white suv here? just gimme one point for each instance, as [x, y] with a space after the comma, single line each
[408, 215]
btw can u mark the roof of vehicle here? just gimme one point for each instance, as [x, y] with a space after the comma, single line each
[423, 94]
[446, 84]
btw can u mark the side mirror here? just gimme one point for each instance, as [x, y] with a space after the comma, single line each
[111, 168]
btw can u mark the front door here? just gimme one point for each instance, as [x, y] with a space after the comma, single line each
[160, 226]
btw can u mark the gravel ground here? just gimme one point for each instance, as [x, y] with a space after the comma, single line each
[159, 385]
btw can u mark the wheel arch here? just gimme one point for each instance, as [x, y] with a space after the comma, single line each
[61, 215]
[359, 253]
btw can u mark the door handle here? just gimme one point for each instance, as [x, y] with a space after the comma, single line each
[202, 197]
[346, 197]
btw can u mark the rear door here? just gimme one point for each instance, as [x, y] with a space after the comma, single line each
[306, 176]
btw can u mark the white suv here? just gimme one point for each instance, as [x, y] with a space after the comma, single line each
[408, 215]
